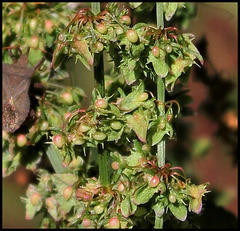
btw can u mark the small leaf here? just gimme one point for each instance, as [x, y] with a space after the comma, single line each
[66, 178]
[159, 64]
[179, 211]
[143, 194]
[159, 209]
[139, 124]
[55, 159]
[126, 207]
[34, 56]
[170, 9]
[134, 5]
[83, 49]
[157, 131]
[129, 76]
[133, 159]
[130, 102]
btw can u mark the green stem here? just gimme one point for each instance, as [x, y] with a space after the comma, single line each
[158, 222]
[103, 155]
[160, 91]
[95, 7]
[103, 162]
[160, 19]
[161, 98]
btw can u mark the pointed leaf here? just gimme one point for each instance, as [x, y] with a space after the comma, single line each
[159, 64]
[143, 194]
[139, 124]
[179, 211]
[170, 9]
[83, 49]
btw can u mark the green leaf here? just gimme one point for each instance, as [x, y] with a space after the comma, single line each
[31, 210]
[139, 124]
[134, 5]
[137, 49]
[65, 178]
[191, 47]
[65, 205]
[157, 133]
[132, 64]
[159, 209]
[129, 76]
[126, 207]
[170, 9]
[34, 56]
[83, 50]
[55, 159]
[58, 55]
[159, 64]
[177, 68]
[113, 135]
[130, 102]
[133, 159]
[179, 211]
[143, 194]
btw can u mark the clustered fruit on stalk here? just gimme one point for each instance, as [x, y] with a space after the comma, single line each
[125, 122]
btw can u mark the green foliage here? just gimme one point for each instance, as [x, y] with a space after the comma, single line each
[123, 127]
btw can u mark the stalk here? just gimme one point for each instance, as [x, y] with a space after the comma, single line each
[161, 151]
[103, 155]
[160, 91]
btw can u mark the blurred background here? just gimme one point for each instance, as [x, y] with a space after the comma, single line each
[207, 138]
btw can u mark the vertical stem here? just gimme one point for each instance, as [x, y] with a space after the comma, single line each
[95, 7]
[103, 156]
[160, 19]
[99, 75]
[160, 90]
[161, 98]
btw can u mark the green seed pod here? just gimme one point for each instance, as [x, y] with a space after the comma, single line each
[116, 125]
[100, 136]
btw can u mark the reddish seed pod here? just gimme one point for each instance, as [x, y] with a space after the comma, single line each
[101, 28]
[156, 51]
[49, 26]
[114, 223]
[101, 103]
[50, 202]
[21, 140]
[126, 20]
[86, 222]
[34, 41]
[67, 98]
[132, 36]
[35, 198]
[67, 192]
[154, 181]
[115, 165]
[58, 141]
